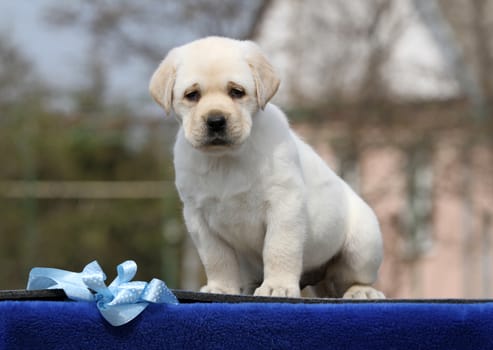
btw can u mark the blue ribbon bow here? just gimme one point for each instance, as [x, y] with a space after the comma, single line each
[118, 303]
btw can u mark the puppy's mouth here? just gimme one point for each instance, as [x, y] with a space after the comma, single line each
[217, 140]
[217, 144]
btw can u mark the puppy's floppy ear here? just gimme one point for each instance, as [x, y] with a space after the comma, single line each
[163, 81]
[265, 77]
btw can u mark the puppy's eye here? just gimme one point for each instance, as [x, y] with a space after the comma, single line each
[236, 93]
[192, 96]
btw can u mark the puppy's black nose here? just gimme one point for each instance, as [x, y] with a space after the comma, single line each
[216, 123]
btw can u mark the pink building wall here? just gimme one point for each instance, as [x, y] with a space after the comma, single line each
[456, 259]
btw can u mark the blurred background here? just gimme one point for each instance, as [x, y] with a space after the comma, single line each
[396, 95]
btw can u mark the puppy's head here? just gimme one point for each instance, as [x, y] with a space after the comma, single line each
[214, 86]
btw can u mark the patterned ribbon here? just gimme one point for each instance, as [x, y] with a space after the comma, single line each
[119, 303]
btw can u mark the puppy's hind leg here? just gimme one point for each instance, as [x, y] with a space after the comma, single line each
[324, 289]
[251, 277]
[352, 273]
[343, 280]
[357, 291]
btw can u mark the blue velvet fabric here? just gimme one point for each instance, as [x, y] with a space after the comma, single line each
[79, 325]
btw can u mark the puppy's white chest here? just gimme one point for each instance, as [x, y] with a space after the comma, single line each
[230, 203]
[237, 219]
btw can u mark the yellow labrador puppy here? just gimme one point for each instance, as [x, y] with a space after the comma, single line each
[266, 214]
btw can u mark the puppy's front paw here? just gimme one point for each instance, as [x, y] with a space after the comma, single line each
[363, 292]
[278, 290]
[217, 289]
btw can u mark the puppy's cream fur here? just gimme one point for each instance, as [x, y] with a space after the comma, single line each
[266, 214]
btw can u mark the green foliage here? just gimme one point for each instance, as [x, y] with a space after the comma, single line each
[69, 233]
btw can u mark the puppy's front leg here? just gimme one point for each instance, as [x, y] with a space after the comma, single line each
[218, 258]
[283, 247]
